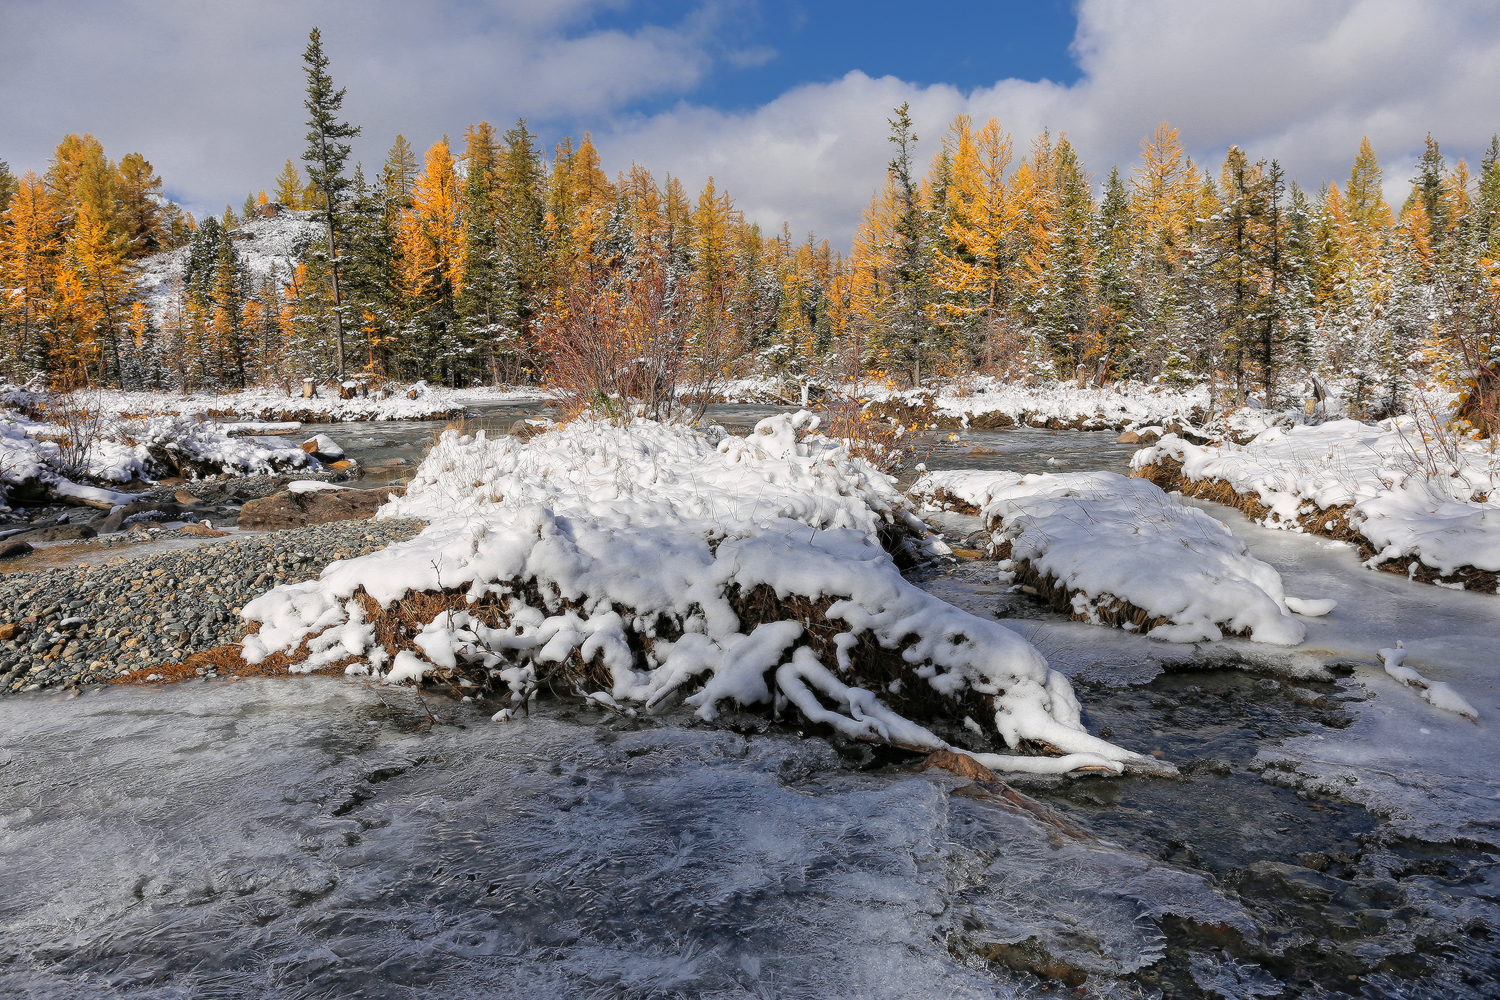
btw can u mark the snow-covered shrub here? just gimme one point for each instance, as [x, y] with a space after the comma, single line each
[647, 564]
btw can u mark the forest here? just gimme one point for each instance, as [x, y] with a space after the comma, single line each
[492, 260]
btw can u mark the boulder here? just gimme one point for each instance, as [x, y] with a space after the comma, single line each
[1129, 437]
[323, 448]
[60, 533]
[297, 510]
[523, 430]
[14, 549]
[117, 518]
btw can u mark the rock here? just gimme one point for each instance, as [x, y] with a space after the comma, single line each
[204, 530]
[340, 465]
[60, 533]
[1129, 437]
[960, 764]
[323, 448]
[522, 430]
[1150, 435]
[117, 518]
[295, 510]
[12, 549]
[185, 498]
[9, 631]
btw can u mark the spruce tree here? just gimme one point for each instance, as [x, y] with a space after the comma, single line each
[8, 186]
[908, 273]
[325, 156]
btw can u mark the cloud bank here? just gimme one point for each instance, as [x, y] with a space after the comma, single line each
[212, 93]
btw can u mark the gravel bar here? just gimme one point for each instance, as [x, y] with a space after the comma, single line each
[70, 627]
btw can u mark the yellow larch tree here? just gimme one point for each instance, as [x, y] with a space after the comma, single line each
[28, 249]
[431, 239]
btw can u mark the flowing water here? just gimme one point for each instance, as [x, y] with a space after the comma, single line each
[313, 837]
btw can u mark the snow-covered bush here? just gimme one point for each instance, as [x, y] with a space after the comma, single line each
[647, 564]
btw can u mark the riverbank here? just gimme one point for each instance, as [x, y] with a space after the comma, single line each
[67, 627]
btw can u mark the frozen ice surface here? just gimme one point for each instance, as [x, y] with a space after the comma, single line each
[315, 837]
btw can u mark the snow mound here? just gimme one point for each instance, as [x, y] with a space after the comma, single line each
[647, 563]
[1411, 500]
[1126, 553]
[1436, 693]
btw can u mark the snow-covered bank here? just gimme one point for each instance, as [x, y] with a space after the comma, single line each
[404, 402]
[643, 564]
[985, 403]
[1107, 549]
[1413, 501]
[51, 448]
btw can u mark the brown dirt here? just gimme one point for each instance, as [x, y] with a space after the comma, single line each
[1330, 522]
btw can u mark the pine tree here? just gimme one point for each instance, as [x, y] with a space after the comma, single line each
[9, 185]
[908, 274]
[1427, 190]
[325, 156]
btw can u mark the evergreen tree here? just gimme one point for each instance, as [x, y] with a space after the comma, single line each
[325, 156]
[9, 185]
[1427, 190]
[907, 317]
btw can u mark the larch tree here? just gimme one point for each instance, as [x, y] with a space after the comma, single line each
[28, 253]
[325, 157]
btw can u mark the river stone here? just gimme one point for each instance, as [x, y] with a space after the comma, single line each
[1129, 437]
[296, 510]
[60, 533]
[11, 549]
[116, 519]
[323, 448]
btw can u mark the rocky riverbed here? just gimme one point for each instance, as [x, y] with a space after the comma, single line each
[86, 625]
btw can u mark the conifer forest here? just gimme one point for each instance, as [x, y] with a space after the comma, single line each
[496, 260]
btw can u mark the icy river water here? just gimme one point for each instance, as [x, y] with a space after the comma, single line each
[1330, 836]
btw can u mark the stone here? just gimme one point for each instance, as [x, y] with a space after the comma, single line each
[116, 520]
[9, 631]
[296, 510]
[203, 530]
[522, 430]
[14, 549]
[323, 448]
[960, 764]
[60, 533]
[340, 465]
[1129, 437]
[185, 498]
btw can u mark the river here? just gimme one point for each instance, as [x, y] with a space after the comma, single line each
[314, 837]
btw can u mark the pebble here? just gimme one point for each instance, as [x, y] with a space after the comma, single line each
[86, 625]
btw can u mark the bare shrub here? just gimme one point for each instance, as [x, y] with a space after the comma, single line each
[631, 333]
[81, 426]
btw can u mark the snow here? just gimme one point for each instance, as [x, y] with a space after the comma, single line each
[1111, 538]
[313, 486]
[1121, 405]
[1436, 693]
[120, 449]
[267, 404]
[621, 526]
[1412, 497]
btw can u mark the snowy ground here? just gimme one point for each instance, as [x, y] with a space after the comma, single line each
[1416, 495]
[982, 399]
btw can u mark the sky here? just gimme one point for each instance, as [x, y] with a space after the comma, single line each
[784, 102]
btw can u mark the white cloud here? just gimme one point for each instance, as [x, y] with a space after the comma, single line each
[1288, 79]
[211, 93]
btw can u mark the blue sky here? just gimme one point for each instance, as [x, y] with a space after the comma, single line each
[783, 102]
[783, 43]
